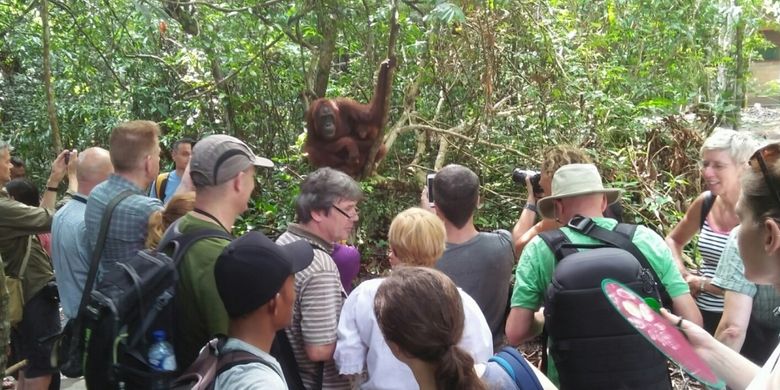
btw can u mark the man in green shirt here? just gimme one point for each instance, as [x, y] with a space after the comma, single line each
[577, 190]
[222, 169]
[18, 225]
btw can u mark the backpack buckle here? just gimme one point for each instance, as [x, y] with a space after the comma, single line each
[581, 224]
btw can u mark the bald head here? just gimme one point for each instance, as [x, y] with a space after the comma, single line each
[94, 167]
[592, 205]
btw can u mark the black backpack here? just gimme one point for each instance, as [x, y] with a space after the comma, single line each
[592, 345]
[132, 300]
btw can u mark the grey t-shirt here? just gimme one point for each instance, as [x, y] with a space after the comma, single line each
[482, 267]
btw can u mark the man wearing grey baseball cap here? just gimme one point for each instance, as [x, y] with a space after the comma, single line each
[222, 169]
[254, 278]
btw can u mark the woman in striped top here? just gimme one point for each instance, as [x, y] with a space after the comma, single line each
[712, 214]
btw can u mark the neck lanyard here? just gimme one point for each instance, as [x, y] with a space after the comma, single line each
[213, 218]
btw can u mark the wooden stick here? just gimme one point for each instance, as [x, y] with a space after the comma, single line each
[16, 367]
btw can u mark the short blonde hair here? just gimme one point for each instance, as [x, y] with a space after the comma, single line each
[417, 237]
[132, 141]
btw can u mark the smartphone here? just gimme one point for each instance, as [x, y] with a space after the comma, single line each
[430, 188]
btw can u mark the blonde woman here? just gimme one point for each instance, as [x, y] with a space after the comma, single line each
[416, 238]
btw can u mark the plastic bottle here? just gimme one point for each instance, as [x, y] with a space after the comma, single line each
[161, 358]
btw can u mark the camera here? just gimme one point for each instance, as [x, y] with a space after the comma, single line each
[519, 175]
[67, 157]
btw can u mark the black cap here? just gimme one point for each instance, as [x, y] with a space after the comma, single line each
[252, 269]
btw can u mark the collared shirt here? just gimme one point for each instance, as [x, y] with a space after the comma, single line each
[69, 253]
[318, 300]
[730, 275]
[170, 186]
[127, 231]
[17, 222]
[251, 375]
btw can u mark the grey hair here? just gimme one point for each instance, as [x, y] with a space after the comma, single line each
[740, 145]
[321, 189]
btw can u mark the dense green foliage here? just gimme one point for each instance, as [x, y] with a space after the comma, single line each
[495, 81]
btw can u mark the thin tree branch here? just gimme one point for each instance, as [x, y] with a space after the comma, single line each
[225, 9]
[89, 40]
[232, 73]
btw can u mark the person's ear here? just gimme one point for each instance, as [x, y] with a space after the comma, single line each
[558, 210]
[604, 203]
[273, 305]
[318, 215]
[772, 239]
[238, 181]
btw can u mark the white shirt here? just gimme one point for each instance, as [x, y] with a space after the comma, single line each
[361, 346]
[762, 380]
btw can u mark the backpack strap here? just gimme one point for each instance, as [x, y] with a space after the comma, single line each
[99, 244]
[518, 368]
[559, 244]
[620, 238]
[706, 206]
[181, 244]
[230, 359]
[160, 184]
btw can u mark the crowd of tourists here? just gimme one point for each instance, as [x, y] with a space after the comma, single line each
[82, 276]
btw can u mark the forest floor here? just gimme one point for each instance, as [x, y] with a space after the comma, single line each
[680, 381]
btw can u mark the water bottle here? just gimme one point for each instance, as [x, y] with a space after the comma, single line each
[161, 358]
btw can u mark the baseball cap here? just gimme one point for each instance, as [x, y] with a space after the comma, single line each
[220, 157]
[252, 269]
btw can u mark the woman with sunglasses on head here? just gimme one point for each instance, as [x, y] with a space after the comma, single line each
[712, 215]
[416, 238]
[759, 245]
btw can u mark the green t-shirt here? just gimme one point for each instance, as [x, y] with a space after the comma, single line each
[537, 262]
[200, 314]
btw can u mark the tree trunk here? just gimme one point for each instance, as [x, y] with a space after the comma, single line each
[739, 76]
[50, 108]
[326, 24]
[225, 88]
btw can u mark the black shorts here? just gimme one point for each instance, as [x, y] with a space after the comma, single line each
[40, 321]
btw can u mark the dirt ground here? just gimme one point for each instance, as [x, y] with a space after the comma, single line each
[680, 381]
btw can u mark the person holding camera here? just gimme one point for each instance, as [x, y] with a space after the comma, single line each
[538, 185]
[24, 259]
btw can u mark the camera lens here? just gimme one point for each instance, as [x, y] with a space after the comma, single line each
[518, 175]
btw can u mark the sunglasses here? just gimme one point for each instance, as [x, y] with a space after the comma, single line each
[761, 158]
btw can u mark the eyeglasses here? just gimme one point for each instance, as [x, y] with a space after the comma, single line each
[344, 213]
[767, 155]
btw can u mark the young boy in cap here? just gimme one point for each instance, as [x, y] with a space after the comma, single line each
[254, 277]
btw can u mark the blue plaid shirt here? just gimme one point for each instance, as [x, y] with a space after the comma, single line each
[127, 231]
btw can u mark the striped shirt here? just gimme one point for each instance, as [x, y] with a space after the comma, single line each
[318, 301]
[711, 245]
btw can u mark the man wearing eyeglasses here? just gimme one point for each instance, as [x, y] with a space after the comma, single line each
[326, 212]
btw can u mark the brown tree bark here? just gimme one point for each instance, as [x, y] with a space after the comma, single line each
[326, 24]
[50, 107]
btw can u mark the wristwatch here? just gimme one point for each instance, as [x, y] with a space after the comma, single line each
[531, 206]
